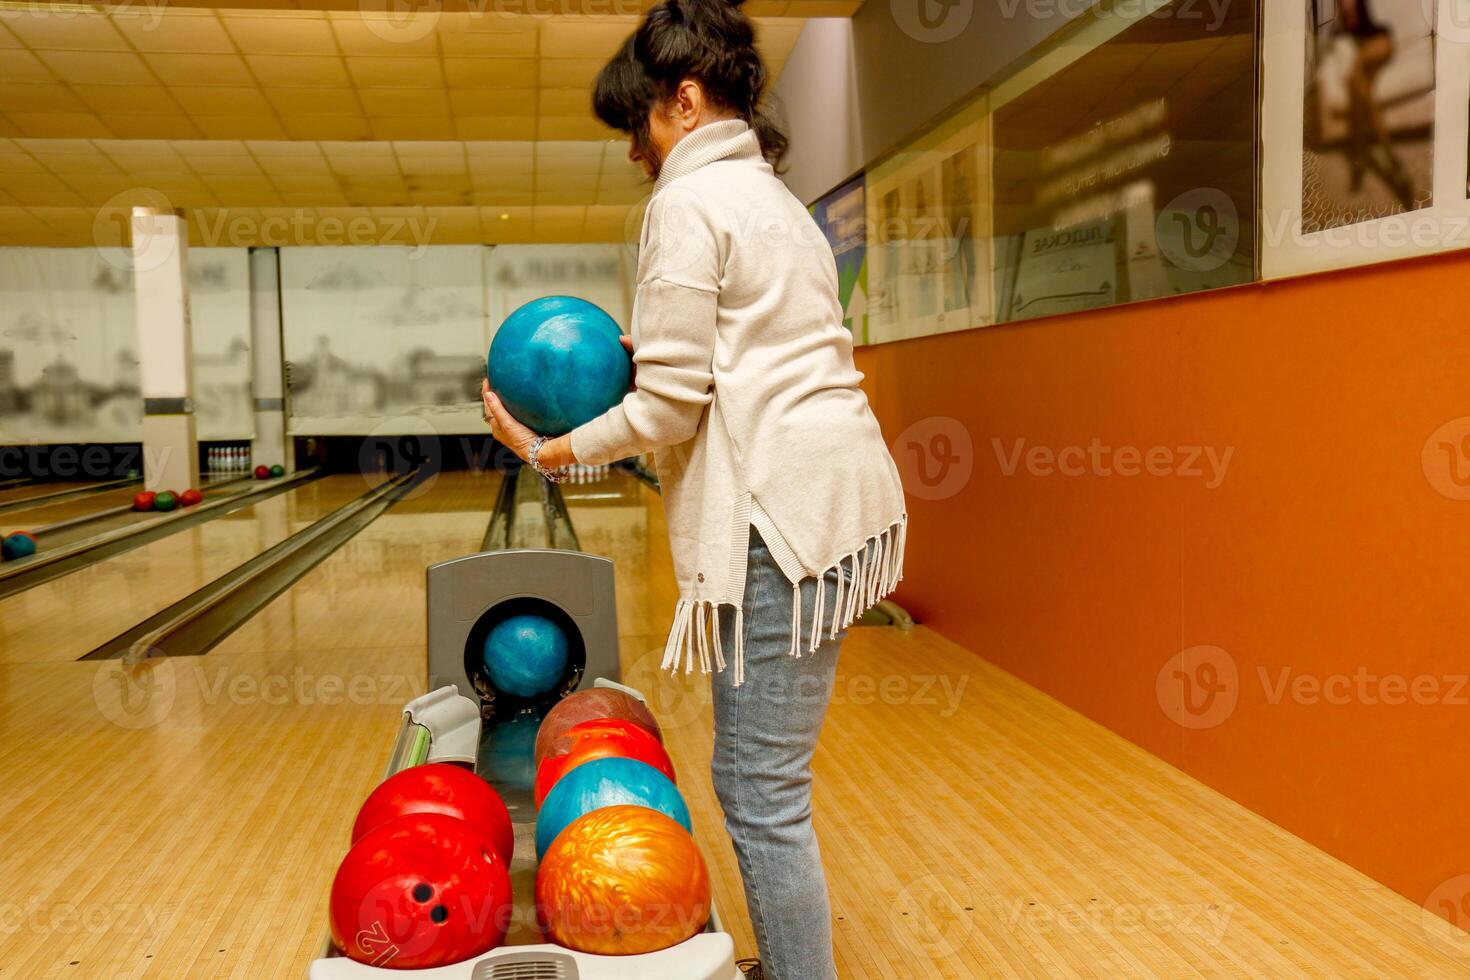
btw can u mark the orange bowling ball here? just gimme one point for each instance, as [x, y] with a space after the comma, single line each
[622, 880]
[599, 739]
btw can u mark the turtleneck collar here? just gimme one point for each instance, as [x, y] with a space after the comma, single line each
[728, 139]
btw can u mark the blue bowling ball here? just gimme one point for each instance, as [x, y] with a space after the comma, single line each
[525, 655]
[607, 782]
[18, 546]
[557, 362]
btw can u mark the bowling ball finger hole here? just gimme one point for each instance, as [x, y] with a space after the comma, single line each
[422, 892]
[438, 914]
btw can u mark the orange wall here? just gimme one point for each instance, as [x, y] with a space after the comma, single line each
[1326, 551]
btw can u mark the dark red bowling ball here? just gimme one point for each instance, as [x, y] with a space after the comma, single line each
[190, 497]
[595, 702]
[262, 472]
[439, 787]
[144, 500]
[420, 891]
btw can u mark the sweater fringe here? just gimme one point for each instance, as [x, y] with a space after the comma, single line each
[864, 578]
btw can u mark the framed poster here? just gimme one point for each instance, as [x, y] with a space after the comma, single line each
[842, 216]
[1124, 161]
[929, 227]
[1363, 132]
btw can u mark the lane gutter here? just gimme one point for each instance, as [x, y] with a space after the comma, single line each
[197, 623]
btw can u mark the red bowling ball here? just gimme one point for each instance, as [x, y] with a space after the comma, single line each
[593, 703]
[599, 739]
[190, 497]
[262, 472]
[420, 891]
[144, 500]
[439, 787]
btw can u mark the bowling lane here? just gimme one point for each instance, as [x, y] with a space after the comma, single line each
[67, 510]
[63, 510]
[33, 491]
[68, 617]
[370, 592]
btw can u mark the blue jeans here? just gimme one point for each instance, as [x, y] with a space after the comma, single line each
[765, 733]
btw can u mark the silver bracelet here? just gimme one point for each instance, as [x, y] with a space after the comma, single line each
[555, 476]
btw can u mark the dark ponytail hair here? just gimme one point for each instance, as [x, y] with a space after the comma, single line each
[709, 41]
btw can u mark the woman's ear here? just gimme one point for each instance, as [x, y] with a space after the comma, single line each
[689, 104]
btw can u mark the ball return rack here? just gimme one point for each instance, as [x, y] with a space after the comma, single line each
[456, 723]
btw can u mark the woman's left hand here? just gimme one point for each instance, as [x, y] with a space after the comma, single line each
[504, 427]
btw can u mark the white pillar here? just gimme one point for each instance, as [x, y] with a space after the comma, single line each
[266, 351]
[161, 291]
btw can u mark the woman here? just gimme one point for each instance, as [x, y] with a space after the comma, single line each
[1374, 50]
[786, 516]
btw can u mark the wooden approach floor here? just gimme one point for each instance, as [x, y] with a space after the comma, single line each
[184, 818]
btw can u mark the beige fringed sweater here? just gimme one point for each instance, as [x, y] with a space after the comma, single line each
[748, 395]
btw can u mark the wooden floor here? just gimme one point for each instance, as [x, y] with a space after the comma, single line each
[183, 818]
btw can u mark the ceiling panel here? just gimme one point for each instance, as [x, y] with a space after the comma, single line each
[233, 111]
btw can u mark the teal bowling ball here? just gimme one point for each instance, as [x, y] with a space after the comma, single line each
[509, 759]
[525, 655]
[558, 362]
[17, 546]
[610, 781]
